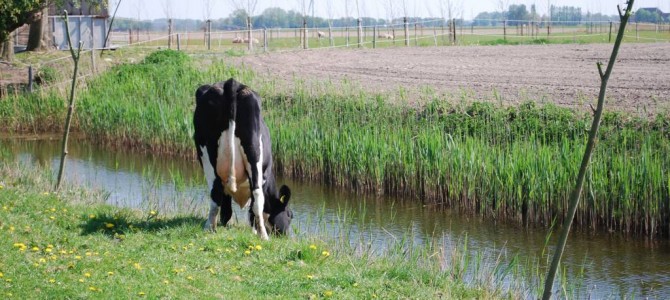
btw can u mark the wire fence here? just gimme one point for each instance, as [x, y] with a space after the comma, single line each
[57, 71]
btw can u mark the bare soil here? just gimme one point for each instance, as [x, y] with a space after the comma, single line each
[564, 74]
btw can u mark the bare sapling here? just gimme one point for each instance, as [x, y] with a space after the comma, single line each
[70, 108]
[590, 145]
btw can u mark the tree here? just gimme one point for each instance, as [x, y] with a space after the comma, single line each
[13, 14]
[517, 14]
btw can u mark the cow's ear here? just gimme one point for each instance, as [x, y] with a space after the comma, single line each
[284, 195]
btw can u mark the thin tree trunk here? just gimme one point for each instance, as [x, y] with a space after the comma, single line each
[7, 50]
[590, 145]
[38, 39]
[70, 110]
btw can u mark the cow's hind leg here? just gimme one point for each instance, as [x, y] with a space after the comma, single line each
[217, 199]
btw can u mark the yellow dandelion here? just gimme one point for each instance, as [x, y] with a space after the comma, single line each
[211, 271]
[4, 207]
[36, 265]
[77, 257]
[110, 273]
[2, 275]
[62, 252]
[109, 225]
[137, 266]
[325, 253]
[355, 284]
[141, 294]
[258, 248]
[201, 249]
[52, 280]
[310, 277]
[190, 244]
[153, 213]
[42, 260]
[92, 288]
[313, 247]
[19, 245]
[8, 280]
[189, 277]
[251, 247]
[50, 246]
[328, 293]
[53, 209]
[89, 253]
[48, 250]
[35, 249]
[45, 193]
[81, 280]
[52, 218]
[64, 209]
[91, 216]
[11, 228]
[247, 252]
[1, 186]
[166, 281]
[53, 257]
[87, 274]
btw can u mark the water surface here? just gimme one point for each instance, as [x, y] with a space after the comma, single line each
[607, 265]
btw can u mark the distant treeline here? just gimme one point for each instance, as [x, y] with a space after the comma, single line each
[275, 17]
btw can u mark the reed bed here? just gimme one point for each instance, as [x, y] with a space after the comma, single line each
[507, 163]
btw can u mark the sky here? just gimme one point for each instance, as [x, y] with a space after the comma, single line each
[196, 9]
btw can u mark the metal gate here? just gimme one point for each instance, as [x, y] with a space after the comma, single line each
[90, 30]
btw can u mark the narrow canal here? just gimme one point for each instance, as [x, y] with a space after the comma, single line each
[606, 265]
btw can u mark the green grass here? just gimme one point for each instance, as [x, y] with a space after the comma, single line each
[70, 245]
[510, 163]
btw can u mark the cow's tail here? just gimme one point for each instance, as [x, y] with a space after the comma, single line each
[230, 94]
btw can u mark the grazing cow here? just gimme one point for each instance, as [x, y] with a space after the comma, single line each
[234, 149]
[320, 34]
[237, 40]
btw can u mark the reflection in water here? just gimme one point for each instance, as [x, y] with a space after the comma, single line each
[613, 266]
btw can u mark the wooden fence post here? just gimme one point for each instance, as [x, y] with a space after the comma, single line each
[209, 34]
[406, 31]
[504, 30]
[250, 35]
[416, 38]
[374, 37]
[610, 38]
[30, 79]
[360, 31]
[169, 33]
[178, 42]
[265, 40]
[93, 66]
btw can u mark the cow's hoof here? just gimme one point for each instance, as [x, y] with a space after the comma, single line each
[209, 228]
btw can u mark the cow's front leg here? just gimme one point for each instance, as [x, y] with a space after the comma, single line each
[257, 206]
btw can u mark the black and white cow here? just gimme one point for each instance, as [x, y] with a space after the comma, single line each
[234, 149]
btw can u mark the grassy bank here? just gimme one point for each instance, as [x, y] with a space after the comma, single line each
[71, 245]
[509, 163]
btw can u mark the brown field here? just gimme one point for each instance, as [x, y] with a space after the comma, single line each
[563, 74]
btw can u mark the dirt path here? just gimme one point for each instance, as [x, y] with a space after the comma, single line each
[564, 74]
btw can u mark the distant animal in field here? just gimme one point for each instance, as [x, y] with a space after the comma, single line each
[320, 34]
[246, 40]
[387, 36]
[238, 40]
[234, 149]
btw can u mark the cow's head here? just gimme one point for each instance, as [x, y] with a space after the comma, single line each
[281, 215]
